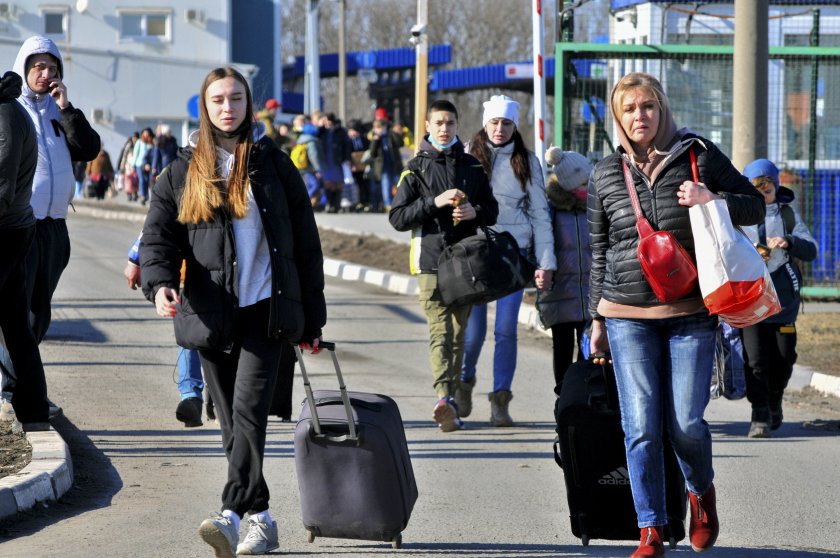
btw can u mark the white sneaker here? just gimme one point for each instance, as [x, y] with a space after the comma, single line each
[261, 538]
[218, 531]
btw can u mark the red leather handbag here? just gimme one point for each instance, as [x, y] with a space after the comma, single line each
[666, 265]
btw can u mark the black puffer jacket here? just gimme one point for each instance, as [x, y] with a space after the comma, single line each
[429, 174]
[616, 273]
[18, 156]
[210, 294]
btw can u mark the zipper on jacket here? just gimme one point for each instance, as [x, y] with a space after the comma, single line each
[581, 297]
[43, 136]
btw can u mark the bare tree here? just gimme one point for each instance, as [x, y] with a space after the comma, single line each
[481, 32]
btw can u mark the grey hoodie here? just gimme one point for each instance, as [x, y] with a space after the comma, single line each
[58, 132]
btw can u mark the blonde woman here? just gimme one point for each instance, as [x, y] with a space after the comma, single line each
[235, 208]
[660, 350]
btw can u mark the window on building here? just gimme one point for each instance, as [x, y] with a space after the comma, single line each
[55, 23]
[148, 26]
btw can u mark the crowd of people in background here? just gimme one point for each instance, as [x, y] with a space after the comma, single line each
[346, 169]
[352, 168]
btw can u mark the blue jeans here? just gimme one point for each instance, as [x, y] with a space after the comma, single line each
[386, 182]
[143, 179]
[504, 332]
[663, 369]
[190, 382]
[313, 186]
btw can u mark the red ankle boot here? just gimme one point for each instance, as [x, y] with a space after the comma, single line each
[703, 524]
[651, 543]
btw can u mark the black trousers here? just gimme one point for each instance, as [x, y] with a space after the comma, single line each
[45, 262]
[769, 355]
[281, 403]
[241, 384]
[26, 381]
[563, 336]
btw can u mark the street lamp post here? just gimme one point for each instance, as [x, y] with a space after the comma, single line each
[421, 72]
[312, 75]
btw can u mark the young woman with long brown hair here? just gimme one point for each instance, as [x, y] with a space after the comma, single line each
[516, 179]
[235, 208]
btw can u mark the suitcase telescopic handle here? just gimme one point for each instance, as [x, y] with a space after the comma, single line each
[345, 399]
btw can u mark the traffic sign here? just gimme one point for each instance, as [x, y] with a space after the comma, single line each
[192, 107]
[519, 71]
[366, 59]
[586, 109]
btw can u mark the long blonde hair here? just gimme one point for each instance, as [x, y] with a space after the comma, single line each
[205, 191]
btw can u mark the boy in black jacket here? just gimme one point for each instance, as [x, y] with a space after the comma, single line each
[442, 197]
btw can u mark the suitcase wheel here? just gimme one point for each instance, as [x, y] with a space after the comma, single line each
[584, 540]
[310, 536]
[396, 542]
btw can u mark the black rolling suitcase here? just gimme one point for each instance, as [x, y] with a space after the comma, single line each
[591, 453]
[353, 467]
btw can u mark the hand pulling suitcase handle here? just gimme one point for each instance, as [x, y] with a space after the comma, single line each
[345, 399]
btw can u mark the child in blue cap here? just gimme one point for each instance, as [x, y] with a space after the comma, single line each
[770, 345]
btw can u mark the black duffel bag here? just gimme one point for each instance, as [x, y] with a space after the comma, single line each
[482, 268]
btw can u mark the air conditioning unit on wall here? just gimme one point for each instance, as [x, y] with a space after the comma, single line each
[101, 116]
[194, 16]
[7, 10]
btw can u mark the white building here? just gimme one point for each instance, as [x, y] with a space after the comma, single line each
[128, 64]
[790, 24]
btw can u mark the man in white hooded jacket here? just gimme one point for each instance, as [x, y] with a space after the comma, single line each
[64, 136]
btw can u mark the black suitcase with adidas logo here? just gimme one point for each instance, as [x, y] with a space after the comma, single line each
[591, 453]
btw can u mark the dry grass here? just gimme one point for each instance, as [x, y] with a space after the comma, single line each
[818, 341]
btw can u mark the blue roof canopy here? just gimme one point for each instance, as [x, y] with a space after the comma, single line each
[379, 60]
[619, 4]
[496, 75]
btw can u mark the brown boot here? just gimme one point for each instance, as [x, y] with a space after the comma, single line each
[703, 525]
[650, 543]
[463, 397]
[499, 401]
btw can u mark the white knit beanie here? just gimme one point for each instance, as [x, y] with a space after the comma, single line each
[570, 167]
[501, 106]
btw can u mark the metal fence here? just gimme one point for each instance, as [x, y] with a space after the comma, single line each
[803, 117]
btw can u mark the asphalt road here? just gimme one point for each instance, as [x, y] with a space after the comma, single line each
[144, 483]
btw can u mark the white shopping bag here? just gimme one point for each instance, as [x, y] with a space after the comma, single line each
[733, 277]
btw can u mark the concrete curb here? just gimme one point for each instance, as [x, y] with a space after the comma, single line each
[46, 479]
[529, 316]
[407, 285]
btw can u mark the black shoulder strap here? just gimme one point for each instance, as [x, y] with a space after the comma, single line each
[788, 218]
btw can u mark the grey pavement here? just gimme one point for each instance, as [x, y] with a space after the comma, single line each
[50, 473]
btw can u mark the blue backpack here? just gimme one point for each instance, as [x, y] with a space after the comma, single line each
[728, 370]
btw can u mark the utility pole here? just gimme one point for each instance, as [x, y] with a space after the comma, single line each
[421, 72]
[312, 74]
[749, 104]
[342, 66]
[539, 82]
[278, 52]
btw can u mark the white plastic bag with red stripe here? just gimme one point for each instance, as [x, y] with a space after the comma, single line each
[734, 280]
